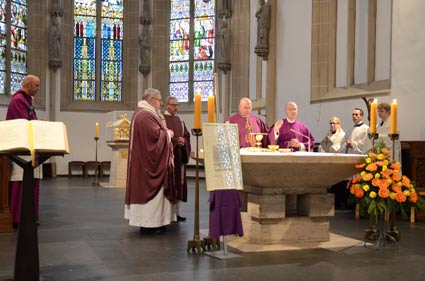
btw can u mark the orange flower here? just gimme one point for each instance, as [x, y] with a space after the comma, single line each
[400, 197]
[413, 197]
[386, 151]
[397, 177]
[395, 166]
[360, 166]
[356, 179]
[383, 192]
[384, 184]
[372, 167]
[359, 193]
[373, 155]
[406, 181]
[380, 163]
[387, 173]
[375, 182]
[367, 177]
[396, 188]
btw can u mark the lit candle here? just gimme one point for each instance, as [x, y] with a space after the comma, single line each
[393, 123]
[97, 129]
[197, 111]
[211, 109]
[373, 112]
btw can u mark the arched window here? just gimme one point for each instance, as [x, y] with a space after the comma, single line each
[191, 52]
[98, 56]
[13, 44]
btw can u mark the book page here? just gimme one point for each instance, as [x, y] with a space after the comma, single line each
[50, 136]
[14, 135]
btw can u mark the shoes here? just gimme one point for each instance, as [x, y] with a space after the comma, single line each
[179, 218]
[15, 225]
[152, 230]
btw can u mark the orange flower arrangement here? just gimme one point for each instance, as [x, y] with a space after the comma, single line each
[379, 186]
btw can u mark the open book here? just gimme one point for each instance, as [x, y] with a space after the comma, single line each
[35, 135]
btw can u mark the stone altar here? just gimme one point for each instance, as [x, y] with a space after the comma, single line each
[287, 199]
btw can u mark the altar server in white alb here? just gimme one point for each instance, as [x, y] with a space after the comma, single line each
[359, 142]
[335, 138]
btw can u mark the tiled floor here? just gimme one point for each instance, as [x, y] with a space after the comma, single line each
[83, 236]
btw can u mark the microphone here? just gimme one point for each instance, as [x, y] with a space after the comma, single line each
[301, 134]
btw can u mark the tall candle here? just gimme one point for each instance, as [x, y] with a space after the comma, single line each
[211, 109]
[197, 112]
[393, 116]
[373, 112]
[97, 130]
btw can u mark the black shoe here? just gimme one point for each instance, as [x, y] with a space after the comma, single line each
[15, 225]
[152, 230]
[179, 218]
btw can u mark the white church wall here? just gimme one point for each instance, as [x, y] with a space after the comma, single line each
[293, 69]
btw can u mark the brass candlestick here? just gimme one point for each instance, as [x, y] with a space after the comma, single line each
[96, 169]
[373, 137]
[196, 243]
[393, 232]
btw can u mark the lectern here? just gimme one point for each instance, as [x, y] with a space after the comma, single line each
[27, 265]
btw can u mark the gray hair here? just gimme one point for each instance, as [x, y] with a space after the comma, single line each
[150, 92]
[167, 99]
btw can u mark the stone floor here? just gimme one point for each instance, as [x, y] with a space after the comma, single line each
[83, 236]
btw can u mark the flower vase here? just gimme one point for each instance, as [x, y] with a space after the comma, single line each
[393, 232]
[371, 232]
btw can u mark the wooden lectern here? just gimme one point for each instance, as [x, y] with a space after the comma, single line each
[5, 216]
[27, 265]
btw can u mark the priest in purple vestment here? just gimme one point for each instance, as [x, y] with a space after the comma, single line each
[181, 147]
[291, 133]
[248, 123]
[150, 190]
[20, 107]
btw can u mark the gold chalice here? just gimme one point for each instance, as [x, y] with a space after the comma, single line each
[258, 138]
[273, 147]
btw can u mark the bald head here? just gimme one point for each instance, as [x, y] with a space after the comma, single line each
[31, 85]
[245, 107]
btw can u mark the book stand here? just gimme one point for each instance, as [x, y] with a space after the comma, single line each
[27, 265]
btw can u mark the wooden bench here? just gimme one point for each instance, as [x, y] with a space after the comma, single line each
[77, 164]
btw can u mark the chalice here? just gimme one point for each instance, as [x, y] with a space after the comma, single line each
[258, 138]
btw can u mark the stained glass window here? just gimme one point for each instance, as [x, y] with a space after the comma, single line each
[191, 58]
[14, 66]
[98, 69]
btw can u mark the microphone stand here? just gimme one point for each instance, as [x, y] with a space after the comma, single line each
[308, 138]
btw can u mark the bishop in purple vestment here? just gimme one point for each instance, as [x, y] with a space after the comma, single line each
[291, 133]
[20, 107]
[248, 123]
[181, 148]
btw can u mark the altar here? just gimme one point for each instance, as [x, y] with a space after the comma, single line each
[287, 199]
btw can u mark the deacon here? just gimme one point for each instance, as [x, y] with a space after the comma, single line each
[150, 191]
[181, 147]
[383, 129]
[291, 133]
[248, 123]
[20, 107]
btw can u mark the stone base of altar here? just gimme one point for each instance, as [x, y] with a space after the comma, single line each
[118, 170]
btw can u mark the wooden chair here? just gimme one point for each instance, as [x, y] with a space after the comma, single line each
[92, 165]
[78, 164]
[105, 166]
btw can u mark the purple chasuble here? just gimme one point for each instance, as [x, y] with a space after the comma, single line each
[181, 154]
[256, 125]
[285, 134]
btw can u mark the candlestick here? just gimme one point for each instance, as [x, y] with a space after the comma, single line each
[197, 111]
[373, 112]
[211, 109]
[97, 130]
[393, 117]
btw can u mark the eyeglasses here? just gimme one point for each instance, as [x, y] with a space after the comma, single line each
[159, 100]
[173, 104]
[333, 123]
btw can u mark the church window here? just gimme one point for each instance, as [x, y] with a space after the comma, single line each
[98, 50]
[191, 48]
[13, 44]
